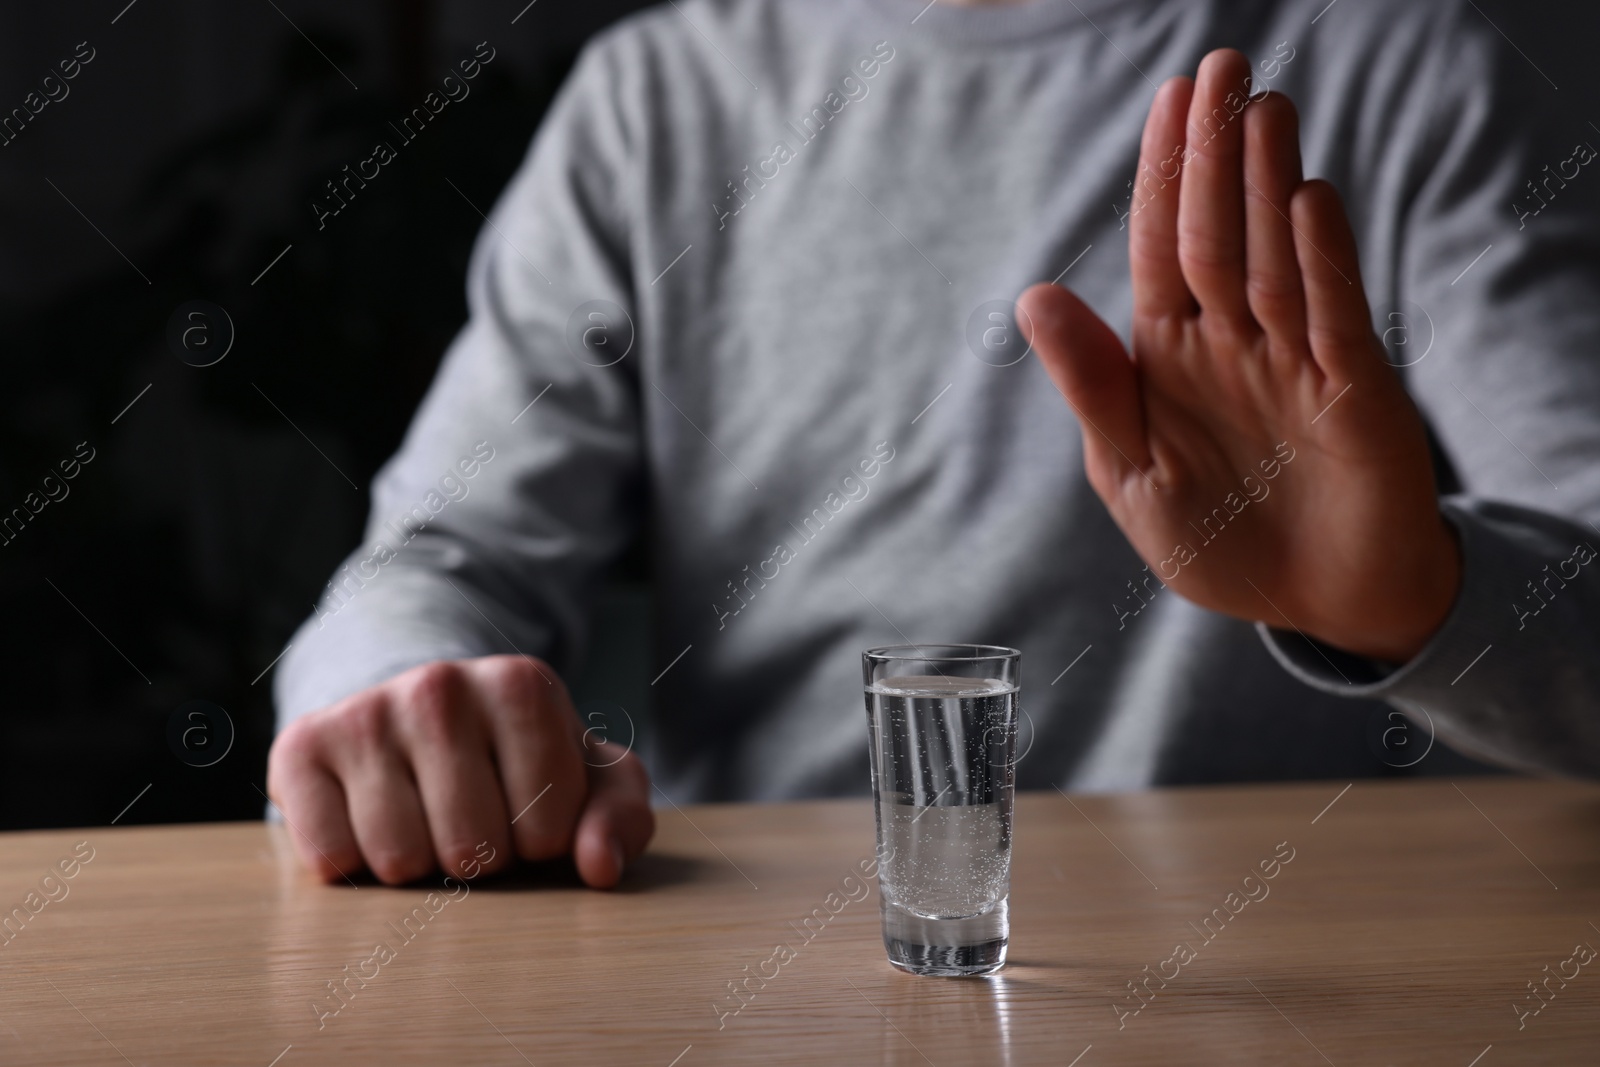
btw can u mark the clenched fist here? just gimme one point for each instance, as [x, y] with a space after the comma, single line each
[412, 774]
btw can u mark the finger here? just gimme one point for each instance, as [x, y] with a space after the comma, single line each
[313, 806]
[446, 740]
[1158, 285]
[536, 751]
[385, 811]
[1271, 174]
[1338, 321]
[617, 821]
[1211, 197]
[1089, 365]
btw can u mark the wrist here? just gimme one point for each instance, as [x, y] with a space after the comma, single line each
[1394, 626]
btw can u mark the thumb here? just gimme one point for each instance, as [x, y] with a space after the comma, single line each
[1091, 368]
[616, 822]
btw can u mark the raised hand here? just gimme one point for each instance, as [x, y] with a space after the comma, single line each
[1255, 447]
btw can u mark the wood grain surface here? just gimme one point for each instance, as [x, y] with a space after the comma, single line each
[1406, 929]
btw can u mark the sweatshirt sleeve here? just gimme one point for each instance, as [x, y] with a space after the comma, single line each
[516, 484]
[1499, 277]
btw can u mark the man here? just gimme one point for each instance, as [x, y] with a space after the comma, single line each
[748, 298]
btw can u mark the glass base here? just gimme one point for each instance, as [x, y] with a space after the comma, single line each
[952, 961]
[955, 947]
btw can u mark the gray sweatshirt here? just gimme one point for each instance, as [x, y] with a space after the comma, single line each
[748, 299]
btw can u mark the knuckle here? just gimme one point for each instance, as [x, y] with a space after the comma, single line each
[525, 691]
[1175, 482]
[1273, 284]
[522, 676]
[1208, 251]
[1150, 248]
[521, 717]
[1230, 337]
[430, 700]
[1267, 191]
[360, 723]
[294, 747]
[1325, 337]
[432, 683]
[1275, 302]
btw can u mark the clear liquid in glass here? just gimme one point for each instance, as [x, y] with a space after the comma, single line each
[942, 751]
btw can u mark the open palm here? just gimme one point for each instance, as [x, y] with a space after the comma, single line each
[1255, 447]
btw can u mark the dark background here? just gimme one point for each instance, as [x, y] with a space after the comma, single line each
[206, 525]
[184, 159]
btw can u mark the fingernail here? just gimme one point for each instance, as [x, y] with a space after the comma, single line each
[617, 856]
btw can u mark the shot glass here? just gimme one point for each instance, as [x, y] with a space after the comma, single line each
[942, 735]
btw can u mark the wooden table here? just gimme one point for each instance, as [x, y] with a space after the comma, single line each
[1404, 930]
